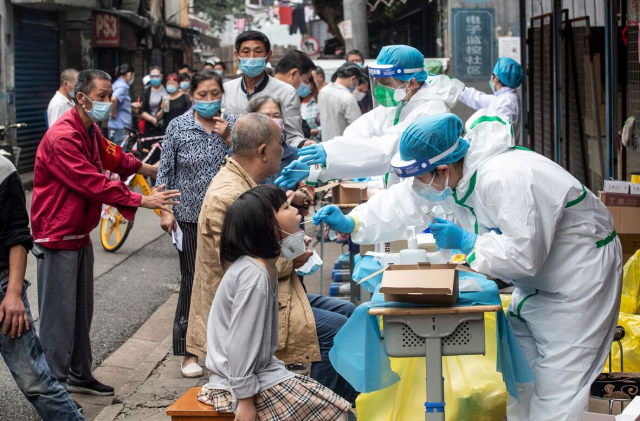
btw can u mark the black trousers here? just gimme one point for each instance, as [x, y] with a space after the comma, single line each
[187, 270]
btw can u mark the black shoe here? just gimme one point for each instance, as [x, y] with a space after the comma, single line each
[92, 388]
[78, 406]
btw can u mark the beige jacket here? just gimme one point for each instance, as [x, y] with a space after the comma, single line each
[297, 328]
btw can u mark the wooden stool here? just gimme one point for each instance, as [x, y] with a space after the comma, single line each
[187, 407]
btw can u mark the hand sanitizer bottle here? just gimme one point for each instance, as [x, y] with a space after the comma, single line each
[412, 255]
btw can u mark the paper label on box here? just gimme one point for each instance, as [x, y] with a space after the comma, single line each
[613, 186]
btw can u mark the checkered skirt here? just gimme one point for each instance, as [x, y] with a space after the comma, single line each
[297, 399]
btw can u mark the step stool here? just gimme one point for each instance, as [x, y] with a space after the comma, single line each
[188, 408]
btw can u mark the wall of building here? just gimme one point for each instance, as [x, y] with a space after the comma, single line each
[7, 110]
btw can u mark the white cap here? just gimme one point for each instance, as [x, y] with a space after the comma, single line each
[145, 80]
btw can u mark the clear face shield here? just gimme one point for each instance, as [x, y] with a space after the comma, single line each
[386, 89]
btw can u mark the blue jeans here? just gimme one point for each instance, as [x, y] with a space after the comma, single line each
[117, 135]
[25, 360]
[330, 315]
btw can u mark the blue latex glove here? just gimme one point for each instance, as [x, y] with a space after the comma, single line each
[333, 217]
[451, 236]
[313, 154]
[292, 174]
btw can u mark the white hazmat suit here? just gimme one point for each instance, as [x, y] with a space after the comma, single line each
[505, 100]
[539, 226]
[367, 145]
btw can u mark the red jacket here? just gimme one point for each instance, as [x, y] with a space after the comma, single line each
[69, 187]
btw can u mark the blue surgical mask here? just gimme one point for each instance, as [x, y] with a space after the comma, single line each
[207, 109]
[304, 89]
[426, 191]
[252, 67]
[358, 64]
[219, 72]
[100, 110]
[185, 86]
[172, 89]
[493, 88]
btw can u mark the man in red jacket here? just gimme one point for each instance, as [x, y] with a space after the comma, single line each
[68, 192]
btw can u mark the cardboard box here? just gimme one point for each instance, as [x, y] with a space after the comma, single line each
[349, 194]
[619, 199]
[630, 244]
[630, 413]
[625, 220]
[422, 283]
[634, 189]
[612, 186]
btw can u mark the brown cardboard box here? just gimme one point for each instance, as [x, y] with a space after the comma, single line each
[625, 220]
[348, 194]
[620, 200]
[629, 221]
[630, 244]
[423, 283]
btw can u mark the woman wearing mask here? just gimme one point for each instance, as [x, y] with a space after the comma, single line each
[179, 102]
[271, 107]
[195, 146]
[152, 104]
[121, 104]
[185, 82]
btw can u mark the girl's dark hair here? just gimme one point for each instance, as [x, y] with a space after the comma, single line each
[205, 74]
[124, 69]
[250, 226]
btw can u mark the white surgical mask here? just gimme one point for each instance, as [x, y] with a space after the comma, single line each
[400, 93]
[293, 245]
[359, 95]
[313, 264]
[280, 123]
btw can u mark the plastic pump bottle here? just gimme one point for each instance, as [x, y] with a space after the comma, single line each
[412, 255]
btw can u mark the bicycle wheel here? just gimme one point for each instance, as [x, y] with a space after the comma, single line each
[114, 229]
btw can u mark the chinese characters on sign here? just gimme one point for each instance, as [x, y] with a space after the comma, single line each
[106, 30]
[474, 43]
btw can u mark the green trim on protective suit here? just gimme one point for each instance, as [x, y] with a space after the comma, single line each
[487, 118]
[579, 199]
[395, 121]
[606, 240]
[472, 257]
[472, 185]
[517, 314]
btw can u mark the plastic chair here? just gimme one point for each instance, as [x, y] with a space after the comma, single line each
[616, 387]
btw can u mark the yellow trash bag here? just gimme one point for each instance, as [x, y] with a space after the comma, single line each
[630, 299]
[473, 389]
[630, 345]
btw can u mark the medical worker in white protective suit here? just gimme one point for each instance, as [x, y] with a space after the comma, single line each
[507, 76]
[405, 92]
[522, 217]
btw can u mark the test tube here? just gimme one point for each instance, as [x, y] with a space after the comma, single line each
[425, 209]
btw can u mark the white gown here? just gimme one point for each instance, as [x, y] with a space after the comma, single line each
[368, 144]
[505, 100]
[539, 226]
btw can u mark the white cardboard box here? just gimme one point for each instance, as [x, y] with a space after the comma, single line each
[634, 188]
[612, 186]
[630, 413]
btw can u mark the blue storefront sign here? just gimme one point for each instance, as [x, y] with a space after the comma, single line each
[473, 43]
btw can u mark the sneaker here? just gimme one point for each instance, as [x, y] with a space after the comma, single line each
[94, 387]
[78, 406]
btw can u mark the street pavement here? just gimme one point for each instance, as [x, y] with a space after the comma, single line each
[130, 285]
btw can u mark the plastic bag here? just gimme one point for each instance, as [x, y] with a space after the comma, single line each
[473, 389]
[630, 299]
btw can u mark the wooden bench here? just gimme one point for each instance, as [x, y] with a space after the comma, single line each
[187, 408]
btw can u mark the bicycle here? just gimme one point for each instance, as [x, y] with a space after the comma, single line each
[12, 153]
[112, 221]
